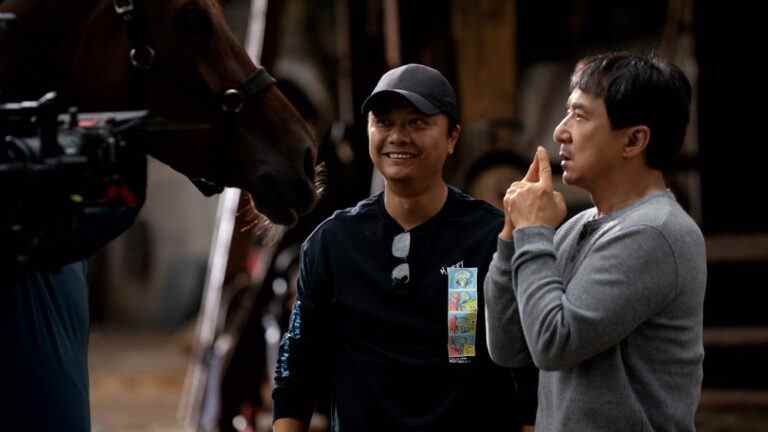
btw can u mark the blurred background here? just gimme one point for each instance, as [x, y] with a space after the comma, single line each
[153, 302]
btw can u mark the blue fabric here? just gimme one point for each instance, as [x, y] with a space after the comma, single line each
[44, 328]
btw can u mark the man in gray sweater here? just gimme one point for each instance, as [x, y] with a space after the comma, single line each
[611, 303]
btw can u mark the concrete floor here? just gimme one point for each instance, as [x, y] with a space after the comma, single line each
[137, 380]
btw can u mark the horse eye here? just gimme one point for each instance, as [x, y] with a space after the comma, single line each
[195, 21]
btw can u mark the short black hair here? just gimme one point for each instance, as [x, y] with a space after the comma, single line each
[640, 90]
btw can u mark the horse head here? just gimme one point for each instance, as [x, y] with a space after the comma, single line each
[218, 116]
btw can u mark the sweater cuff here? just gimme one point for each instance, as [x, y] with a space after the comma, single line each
[532, 235]
[505, 250]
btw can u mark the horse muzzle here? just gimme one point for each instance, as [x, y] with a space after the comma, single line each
[283, 200]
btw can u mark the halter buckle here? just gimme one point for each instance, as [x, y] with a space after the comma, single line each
[123, 7]
[232, 101]
[142, 58]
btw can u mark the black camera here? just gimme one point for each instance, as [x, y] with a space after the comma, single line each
[69, 182]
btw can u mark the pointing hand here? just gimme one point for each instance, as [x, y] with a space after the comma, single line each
[533, 201]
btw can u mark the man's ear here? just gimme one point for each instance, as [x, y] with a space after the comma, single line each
[637, 139]
[369, 123]
[453, 138]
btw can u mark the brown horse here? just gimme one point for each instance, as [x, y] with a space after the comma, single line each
[224, 119]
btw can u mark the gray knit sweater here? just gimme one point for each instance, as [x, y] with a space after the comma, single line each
[611, 310]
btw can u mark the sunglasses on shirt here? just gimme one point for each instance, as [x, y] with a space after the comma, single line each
[401, 274]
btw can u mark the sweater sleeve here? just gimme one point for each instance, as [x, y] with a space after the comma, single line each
[301, 366]
[626, 278]
[504, 333]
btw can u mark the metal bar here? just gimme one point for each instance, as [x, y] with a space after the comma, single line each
[199, 381]
[254, 37]
[197, 377]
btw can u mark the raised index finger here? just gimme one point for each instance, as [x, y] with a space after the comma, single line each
[545, 170]
[533, 171]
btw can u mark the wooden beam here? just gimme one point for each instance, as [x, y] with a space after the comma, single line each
[737, 247]
[392, 32]
[739, 399]
[485, 33]
[735, 336]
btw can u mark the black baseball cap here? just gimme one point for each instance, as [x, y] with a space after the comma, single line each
[424, 87]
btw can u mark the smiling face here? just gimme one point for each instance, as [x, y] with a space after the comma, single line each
[590, 150]
[407, 146]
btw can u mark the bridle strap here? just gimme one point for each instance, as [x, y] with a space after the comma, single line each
[231, 101]
[260, 80]
[141, 54]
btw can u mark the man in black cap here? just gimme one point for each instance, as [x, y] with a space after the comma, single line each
[389, 319]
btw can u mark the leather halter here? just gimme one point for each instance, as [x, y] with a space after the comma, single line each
[142, 57]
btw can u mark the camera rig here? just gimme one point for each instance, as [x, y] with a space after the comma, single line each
[69, 181]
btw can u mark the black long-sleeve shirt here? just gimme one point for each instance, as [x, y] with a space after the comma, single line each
[383, 353]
